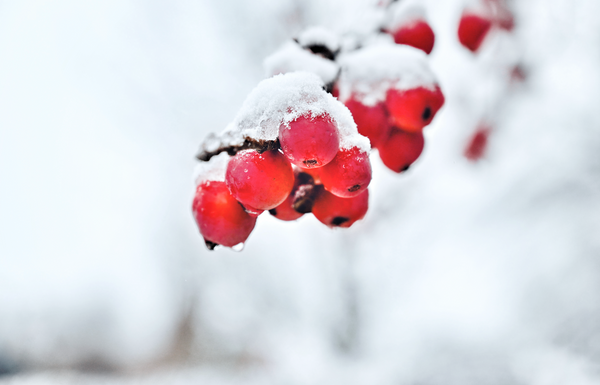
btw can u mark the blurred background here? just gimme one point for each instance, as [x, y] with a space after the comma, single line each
[463, 272]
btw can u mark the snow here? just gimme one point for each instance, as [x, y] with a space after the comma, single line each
[318, 35]
[213, 170]
[279, 100]
[369, 73]
[461, 273]
[291, 57]
[403, 12]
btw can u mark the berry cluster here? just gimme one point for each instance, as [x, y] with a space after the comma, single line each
[299, 144]
[293, 149]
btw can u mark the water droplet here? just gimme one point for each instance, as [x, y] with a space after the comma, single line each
[245, 170]
[239, 247]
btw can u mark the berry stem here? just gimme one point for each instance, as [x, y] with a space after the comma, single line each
[249, 143]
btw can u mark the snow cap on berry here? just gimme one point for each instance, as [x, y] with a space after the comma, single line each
[368, 74]
[213, 170]
[403, 12]
[291, 57]
[282, 99]
[319, 36]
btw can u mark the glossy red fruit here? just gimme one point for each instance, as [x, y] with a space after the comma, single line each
[401, 149]
[286, 211]
[372, 121]
[348, 174]
[220, 218]
[415, 108]
[310, 142]
[472, 30]
[477, 144]
[259, 181]
[335, 211]
[416, 33]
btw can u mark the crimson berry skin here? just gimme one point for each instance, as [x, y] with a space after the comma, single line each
[348, 174]
[335, 211]
[472, 30]
[220, 218]
[417, 33]
[401, 149]
[372, 121]
[310, 142]
[259, 181]
[414, 108]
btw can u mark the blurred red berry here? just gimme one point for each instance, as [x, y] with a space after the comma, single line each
[259, 181]
[416, 33]
[335, 211]
[309, 141]
[477, 144]
[401, 149]
[220, 218]
[415, 108]
[472, 30]
[372, 121]
[348, 174]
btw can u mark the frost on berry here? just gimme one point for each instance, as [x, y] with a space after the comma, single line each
[401, 149]
[310, 141]
[260, 181]
[291, 57]
[279, 101]
[348, 174]
[220, 218]
[335, 211]
[367, 74]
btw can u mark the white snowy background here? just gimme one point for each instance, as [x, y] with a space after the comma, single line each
[461, 273]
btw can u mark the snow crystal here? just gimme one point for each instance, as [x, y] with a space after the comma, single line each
[319, 36]
[291, 57]
[213, 170]
[368, 73]
[281, 100]
[402, 13]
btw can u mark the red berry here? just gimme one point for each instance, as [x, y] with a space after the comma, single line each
[310, 142]
[417, 33]
[401, 149]
[472, 30]
[415, 108]
[348, 174]
[334, 211]
[477, 144]
[286, 210]
[372, 121]
[220, 218]
[259, 181]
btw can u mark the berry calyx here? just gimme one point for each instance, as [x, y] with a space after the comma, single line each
[472, 30]
[335, 211]
[416, 33]
[401, 149]
[372, 121]
[220, 218]
[259, 181]
[348, 174]
[415, 108]
[309, 142]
